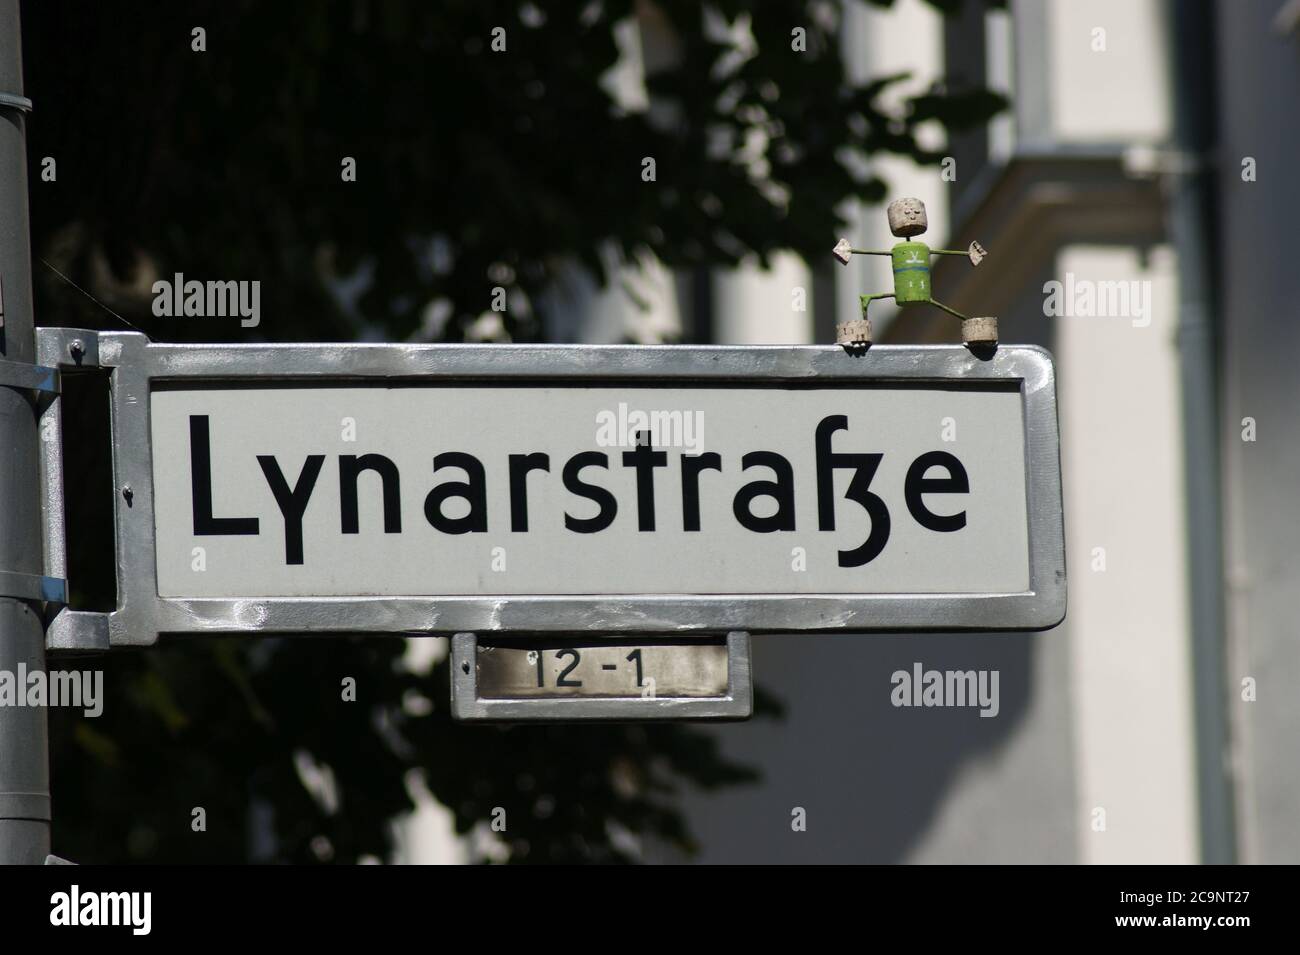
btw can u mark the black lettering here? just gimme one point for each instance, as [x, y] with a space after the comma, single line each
[865, 466]
[692, 465]
[350, 468]
[563, 679]
[781, 490]
[292, 502]
[598, 495]
[520, 465]
[473, 490]
[918, 484]
[645, 459]
[201, 486]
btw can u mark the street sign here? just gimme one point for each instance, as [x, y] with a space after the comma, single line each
[602, 677]
[578, 489]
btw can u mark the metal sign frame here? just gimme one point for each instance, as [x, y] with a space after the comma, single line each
[737, 704]
[135, 364]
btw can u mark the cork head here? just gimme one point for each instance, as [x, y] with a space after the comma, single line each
[907, 217]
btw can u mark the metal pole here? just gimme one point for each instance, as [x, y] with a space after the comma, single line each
[24, 737]
[1191, 217]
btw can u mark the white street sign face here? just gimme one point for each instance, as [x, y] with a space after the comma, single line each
[424, 490]
[511, 489]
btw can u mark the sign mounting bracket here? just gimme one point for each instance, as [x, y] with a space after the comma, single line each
[57, 350]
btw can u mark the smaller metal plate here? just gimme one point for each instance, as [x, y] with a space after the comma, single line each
[614, 678]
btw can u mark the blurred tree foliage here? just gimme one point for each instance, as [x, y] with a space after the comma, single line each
[475, 168]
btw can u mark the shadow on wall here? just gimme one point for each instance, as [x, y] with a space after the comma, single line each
[870, 776]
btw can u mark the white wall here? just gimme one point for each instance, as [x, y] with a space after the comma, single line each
[1119, 92]
[1127, 624]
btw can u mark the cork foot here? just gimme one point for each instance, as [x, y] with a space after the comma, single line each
[979, 331]
[854, 333]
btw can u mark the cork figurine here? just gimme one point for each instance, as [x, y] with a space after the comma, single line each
[912, 277]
